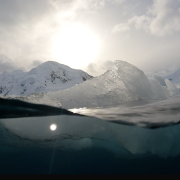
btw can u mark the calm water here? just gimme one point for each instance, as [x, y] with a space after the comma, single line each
[138, 139]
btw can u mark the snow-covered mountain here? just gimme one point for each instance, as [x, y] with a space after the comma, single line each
[49, 76]
[175, 78]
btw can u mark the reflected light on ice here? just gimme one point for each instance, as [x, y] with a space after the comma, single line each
[74, 110]
[77, 110]
[53, 127]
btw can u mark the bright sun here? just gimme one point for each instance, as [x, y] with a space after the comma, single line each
[75, 46]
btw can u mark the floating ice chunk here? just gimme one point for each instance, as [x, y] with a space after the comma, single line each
[106, 90]
[160, 92]
[135, 80]
[38, 99]
[160, 79]
[128, 83]
[172, 88]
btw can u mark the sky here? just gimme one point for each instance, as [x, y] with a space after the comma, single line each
[90, 34]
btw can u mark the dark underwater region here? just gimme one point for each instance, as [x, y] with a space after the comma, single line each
[38, 139]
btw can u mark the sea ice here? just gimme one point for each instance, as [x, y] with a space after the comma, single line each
[160, 92]
[128, 83]
[160, 79]
[37, 99]
[106, 90]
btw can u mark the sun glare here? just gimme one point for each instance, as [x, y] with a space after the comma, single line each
[75, 46]
[53, 127]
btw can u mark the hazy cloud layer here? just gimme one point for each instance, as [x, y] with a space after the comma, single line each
[6, 64]
[100, 68]
[144, 33]
[27, 27]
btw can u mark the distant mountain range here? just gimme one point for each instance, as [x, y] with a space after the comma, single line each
[49, 76]
[174, 77]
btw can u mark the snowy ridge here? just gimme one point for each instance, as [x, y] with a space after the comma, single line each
[49, 76]
[175, 78]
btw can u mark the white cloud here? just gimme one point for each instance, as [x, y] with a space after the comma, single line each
[161, 19]
[118, 1]
[120, 28]
[6, 64]
[27, 28]
[74, 5]
[101, 68]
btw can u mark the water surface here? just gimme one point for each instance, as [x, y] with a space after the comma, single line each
[138, 139]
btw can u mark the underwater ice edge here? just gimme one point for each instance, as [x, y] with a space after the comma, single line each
[68, 141]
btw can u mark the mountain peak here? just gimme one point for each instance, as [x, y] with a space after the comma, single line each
[48, 76]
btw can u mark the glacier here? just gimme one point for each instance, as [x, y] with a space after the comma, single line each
[115, 87]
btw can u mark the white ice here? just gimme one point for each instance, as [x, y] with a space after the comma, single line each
[160, 79]
[128, 83]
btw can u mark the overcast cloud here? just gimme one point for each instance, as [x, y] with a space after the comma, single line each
[161, 19]
[144, 33]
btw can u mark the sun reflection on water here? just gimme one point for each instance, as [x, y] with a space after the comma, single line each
[53, 127]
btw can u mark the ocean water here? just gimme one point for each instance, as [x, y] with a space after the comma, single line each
[136, 138]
